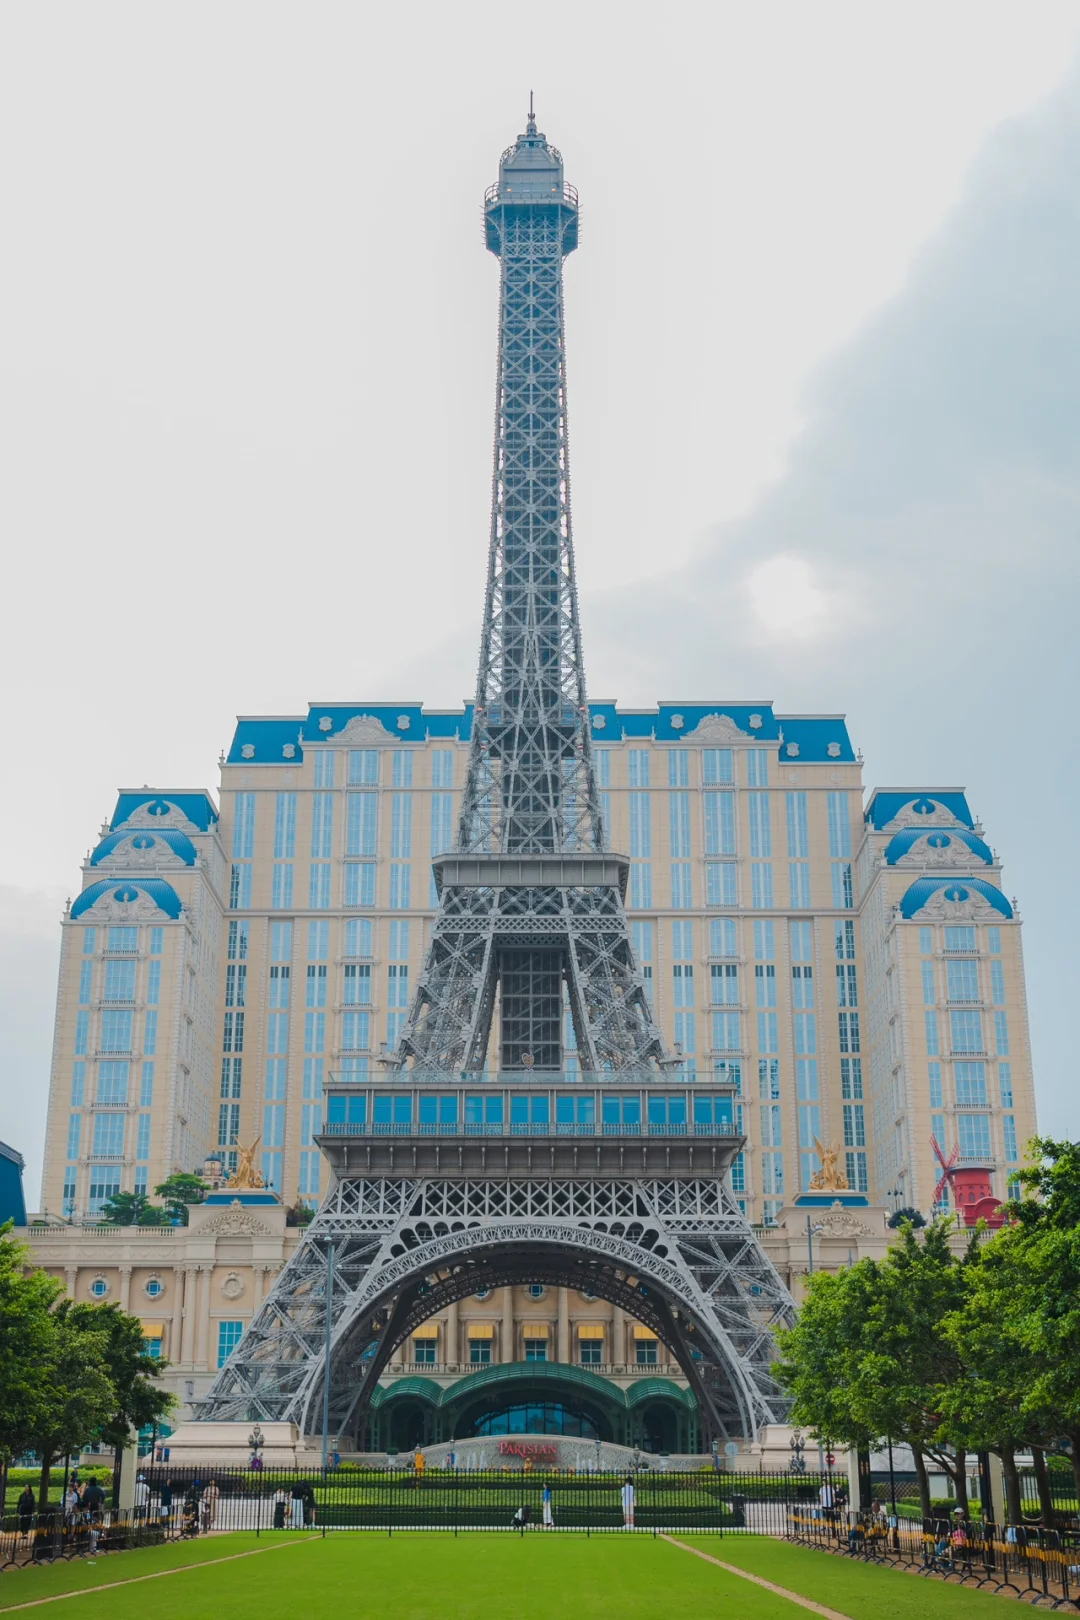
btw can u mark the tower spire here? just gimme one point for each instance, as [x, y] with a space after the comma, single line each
[531, 914]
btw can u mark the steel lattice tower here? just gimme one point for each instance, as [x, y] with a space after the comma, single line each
[530, 899]
[422, 1214]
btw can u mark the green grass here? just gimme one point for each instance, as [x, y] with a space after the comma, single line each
[470, 1577]
[863, 1591]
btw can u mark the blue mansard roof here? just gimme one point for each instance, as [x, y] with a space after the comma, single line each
[956, 890]
[161, 893]
[142, 839]
[915, 806]
[159, 804]
[937, 838]
[807, 739]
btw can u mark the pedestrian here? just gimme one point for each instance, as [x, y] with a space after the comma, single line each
[297, 1516]
[628, 1498]
[93, 1505]
[210, 1505]
[309, 1502]
[419, 1461]
[281, 1508]
[26, 1507]
[166, 1506]
[71, 1503]
[827, 1501]
[142, 1497]
[549, 1522]
[523, 1516]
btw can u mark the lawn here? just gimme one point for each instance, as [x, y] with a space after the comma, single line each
[431, 1576]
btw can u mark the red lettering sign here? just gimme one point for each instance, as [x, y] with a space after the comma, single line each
[534, 1453]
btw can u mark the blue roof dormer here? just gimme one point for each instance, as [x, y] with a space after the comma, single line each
[917, 847]
[942, 899]
[127, 901]
[894, 809]
[158, 808]
[145, 848]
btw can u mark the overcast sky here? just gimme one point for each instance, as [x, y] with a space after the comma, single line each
[824, 386]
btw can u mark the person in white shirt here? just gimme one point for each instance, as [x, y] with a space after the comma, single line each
[628, 1504]
[142, 1496]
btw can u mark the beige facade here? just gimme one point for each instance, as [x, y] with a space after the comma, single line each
[215, 971]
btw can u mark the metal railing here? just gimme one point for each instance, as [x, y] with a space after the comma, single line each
[353, 1128]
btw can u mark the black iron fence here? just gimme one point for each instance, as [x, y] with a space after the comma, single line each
[1018, 1560]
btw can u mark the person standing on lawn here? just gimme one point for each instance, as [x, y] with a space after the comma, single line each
[628, 1499]
[549, 1522]
[26, 1508]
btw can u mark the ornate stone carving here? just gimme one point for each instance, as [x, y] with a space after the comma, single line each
[403, 722]
[233, 1286]
[716, 728]
[364, 728]
[599, 722]
[937, 849]
[109, 908]
[791, 749]
[236, 1221]
[833, 750]
[955, 903]
[839, 1224]
[141, 852]
[288, 751]
[929, 814]
[159, 813]
[248, 751]
[830, 1175]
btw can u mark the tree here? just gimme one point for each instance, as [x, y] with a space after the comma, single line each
[179, 1190]
[132, 1209]
[78, 1396]
[26, 1333]
[913, 1217]
[136, 1398]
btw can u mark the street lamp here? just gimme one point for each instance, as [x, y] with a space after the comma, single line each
[810, 1230]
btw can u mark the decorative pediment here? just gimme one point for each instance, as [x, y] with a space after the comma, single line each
[837, 1223]
[922, 813]
[938, 849]
[236, 1221]
[141, 852]
[955, 903]
[365, 728]
[124, 904]
[160, 813]
[717, 728]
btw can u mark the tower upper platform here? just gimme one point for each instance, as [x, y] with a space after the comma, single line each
[530, 176]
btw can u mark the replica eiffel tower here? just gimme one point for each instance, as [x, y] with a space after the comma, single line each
[603, 1188]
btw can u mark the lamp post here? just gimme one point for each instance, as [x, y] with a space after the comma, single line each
[326, 1354]
[810, 1230]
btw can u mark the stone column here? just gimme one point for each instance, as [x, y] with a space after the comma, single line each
[564, 1350]
[187, 1351]
[125, 1287]
[451, 1346]
[71, 1277]
[176, 1336]
[618, 1335]
[204, 1317]
[258, 1284]
[506, 1347]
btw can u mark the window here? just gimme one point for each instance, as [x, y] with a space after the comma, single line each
[849, 1031]
[112, 1085]
[993, 941]
[799, 884]
[361, 820]
[933, 1076]
[74, 1129]
[761, 886]
[757, 767]
[324, 767]
[973, 1131]
[536, 1349]
[851, 1081]
[78, 1085]
[391, 1114]
[997, 983]
[280, 982]
[232, 1039]
[1001, 1033]
[442, 818]
[802, 942]
[965, 1031]
[847, 985]
[857, 1172]
[640, 826]
[310, 1123]
[315, 1030]
[230, 1333]
[727, 1032]
[483, 1115]
[82, 1032]
[358, 936]
[772, 1173]
[322, 826]
[854, 1125]
[319, 888]
[236, 984]
[355, 1031]
[772, 1134]
[228, 1124]
[622, 1116]
[721, 884]
[681, 895]
[285, 827]
[933, 1038]
[962, 979]
[108, 1136]
[929, 986]
[720, 824]
[798, 833]
[768, 1029]
[346, 1110]
[244, 827]
[402, 768]
[678, 767]
[760, 825]
[231, 1076]
[399, 942]
[480, 1352]
[425, 1350]
[1004, 1082]
[529, 1115]
[119, 981]
[400, 887]
[639, 767]
[602, 766]
[591, 1351]
[360, 884]
[277, 1032]
[682, 975]
[970, 1080]
[309, 1174]
[438, 1114]
[641, 886]
[315, 995]
[116, 1030]
[401, 825]
[765, 984]
[843, 887]
[363, 768]
[153, 981]
[718, 765]
[802, 986]
[86, 979]
[397, 985]
[845, 941]
[723, 937]
[679, 823]
[805, 1032]
[1008, 1131]
[89, 941]
[357, 985]
[839, 825]
[150, 1022]
[724, 977]
[645, 1352]
[926, 941]
[769, 1078]
[276, 1073]
[238, 941]
[960, 938]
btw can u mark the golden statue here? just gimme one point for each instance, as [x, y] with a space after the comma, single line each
[245, 1176]
[830, 1178]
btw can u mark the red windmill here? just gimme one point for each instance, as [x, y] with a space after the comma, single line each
[971, 1188]
[947, 1165]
